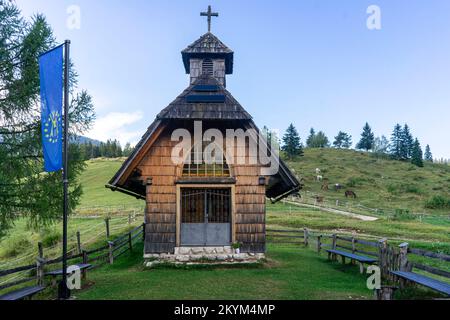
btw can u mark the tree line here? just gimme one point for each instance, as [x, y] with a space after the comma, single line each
[108, 149]
[402, 146]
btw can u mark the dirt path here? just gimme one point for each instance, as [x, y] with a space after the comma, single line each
[336, 211]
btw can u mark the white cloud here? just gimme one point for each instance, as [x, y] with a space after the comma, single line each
[116, 125]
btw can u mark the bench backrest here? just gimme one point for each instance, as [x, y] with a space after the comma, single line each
[439, 261]
[355, 245]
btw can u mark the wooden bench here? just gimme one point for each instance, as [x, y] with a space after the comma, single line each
[354, 257]
[425, 281]
[23, 293]
[406, 267]
[55, 273]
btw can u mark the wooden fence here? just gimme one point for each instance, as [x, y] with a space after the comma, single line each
[97, 257]
[390, 257]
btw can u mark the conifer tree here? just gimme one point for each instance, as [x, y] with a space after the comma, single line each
[342, 140]
[407, 143]
[417, 155]
[310, 139]
[428, 155]
[367, 139]
[25, 192]
[292, 145]
[395, 146]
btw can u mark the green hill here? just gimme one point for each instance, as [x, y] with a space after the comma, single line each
[378, 183]
[95, 195]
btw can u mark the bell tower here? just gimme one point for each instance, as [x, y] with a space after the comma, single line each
[208, 56]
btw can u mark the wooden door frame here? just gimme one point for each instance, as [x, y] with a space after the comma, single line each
[232, 187]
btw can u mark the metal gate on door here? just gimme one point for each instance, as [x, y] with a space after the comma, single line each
[205, 217]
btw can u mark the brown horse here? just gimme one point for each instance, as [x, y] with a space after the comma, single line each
[350, 193]
[318, 199]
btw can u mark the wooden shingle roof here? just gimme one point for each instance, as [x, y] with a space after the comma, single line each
[208, 46]
[181, 108]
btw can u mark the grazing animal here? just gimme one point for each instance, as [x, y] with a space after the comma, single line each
[319, 178]
[318, 171]
[325, 187]
[318, 199]
[337, 187]
[350, 193]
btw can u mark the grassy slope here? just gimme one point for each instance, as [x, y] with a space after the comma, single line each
[94, 179]
[379, 183]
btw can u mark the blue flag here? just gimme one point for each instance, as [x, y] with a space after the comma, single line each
[51, 80]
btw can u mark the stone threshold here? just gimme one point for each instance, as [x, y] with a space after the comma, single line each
[203, 256]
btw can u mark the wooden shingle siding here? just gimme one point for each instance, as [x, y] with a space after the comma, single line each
[161, 197]
[256, 218]
[249, 206]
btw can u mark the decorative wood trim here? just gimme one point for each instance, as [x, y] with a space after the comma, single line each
[178, 219]
[145, 149]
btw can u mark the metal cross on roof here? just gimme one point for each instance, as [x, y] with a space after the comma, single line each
[209, 14]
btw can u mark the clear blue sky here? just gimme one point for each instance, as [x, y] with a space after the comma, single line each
[310, 62]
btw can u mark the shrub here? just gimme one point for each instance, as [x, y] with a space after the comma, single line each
[438, 202]
[412, 188]
[14, 247]
[353, 182]
[403, 214]
[50, 237]
[403, 188]
[392, 188]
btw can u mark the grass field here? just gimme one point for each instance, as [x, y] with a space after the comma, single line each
[290, 273]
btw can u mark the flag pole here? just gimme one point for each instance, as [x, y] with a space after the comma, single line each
[64, 292]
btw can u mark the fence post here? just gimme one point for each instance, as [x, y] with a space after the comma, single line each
[79, 242]
[129, 219]
[319, 243]
[85, 257]
[353, 247]
[107, 227]
[111, 252]
[334, 240]
[130, 242]
[40, 265]
[85, 261]
[333, 246]
[306, 236]
[404, 265]
[383, 257]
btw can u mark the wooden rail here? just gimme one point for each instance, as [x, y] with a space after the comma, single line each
[104, 253]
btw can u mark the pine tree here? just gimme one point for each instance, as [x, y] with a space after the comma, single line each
[25, 192]
[310, 139]
[395, 146]
[292, 145]
[407, 143]
[428, 154]
[367, 139]
[417, 155]
[127, 150]
[342, 140]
